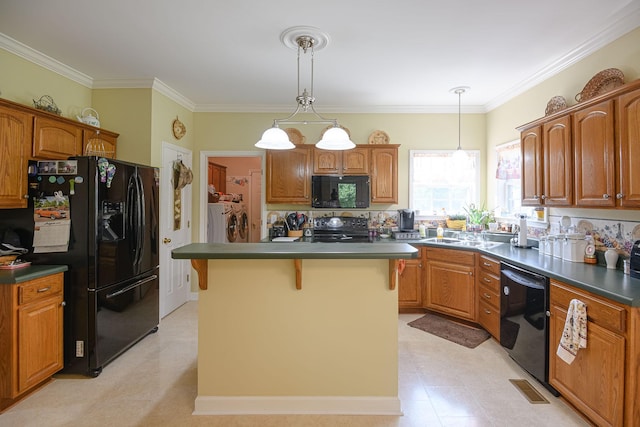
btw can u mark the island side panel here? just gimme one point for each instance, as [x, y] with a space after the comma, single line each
[260, 336]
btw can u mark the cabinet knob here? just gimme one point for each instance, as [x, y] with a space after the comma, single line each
[487, 296]
[487, 311]
[26, 196]
[619, 196]
[606, 196]
[166, 240]
[63, 304]
[543, 197]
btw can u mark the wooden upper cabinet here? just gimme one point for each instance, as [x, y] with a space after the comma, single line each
[53, 139]
[15, 145]
[531, 177]
[288, 175]
[99, 143]
[594, 155]
[628, 150]
[384, 175]
[355, 161]
[348, 162]
[557, 165]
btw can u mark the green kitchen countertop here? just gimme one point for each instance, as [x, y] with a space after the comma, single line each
[24, 274]
[295, 250]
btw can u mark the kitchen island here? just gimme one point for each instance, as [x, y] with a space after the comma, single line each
[297, 327]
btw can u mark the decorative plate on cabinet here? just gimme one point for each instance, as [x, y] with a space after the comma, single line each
[603, 82]
[340, 126]
[179, 129]
[379, 137]
[295, 136]
[555, 104]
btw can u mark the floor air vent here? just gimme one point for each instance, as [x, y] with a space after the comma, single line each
[532, 395]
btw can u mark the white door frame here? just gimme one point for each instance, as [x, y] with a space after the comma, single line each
[204, 197]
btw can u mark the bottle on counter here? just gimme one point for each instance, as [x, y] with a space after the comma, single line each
[423, 231]
[440, 232]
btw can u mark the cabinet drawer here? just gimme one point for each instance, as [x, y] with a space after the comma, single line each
[489, 264]
[40, 288]
[489, 295]
[599, 310]
[451, 256]
[489, 280]
[489, 317]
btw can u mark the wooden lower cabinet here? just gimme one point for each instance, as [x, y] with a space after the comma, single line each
[488, 294]
[31, 335]
[595, 381]
[449, 287]
[410, 283]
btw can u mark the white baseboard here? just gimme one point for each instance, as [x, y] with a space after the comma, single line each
[317, 405]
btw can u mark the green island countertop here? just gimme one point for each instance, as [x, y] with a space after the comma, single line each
[295, 250]
[31, 272]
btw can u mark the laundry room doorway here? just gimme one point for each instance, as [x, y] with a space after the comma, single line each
[237, 177]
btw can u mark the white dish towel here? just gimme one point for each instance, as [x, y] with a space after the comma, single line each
[574, 335]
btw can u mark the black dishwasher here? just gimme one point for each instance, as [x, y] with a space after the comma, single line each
[524, 320]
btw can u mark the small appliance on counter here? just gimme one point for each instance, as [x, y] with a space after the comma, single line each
[634, 260]
[405, 219]
[406, 235]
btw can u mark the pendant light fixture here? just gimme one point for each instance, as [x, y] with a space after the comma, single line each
[305, 40]
[460, 153]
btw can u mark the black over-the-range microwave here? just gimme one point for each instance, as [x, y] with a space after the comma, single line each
[352, 191]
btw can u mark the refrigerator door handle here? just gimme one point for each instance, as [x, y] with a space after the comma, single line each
[132, 286]
[141, 219]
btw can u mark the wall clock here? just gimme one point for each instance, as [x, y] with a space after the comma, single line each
[179, 128]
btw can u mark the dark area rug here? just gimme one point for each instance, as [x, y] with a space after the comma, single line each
[458, 333]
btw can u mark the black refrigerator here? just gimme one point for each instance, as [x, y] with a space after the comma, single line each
[112, 285]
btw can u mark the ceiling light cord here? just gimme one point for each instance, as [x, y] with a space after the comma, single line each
[459, 154]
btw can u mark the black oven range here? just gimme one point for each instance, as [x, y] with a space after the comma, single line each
[340, 229]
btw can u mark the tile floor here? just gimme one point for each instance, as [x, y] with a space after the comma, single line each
[154, 384]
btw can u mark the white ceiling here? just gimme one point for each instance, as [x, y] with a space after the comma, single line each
[386, 56]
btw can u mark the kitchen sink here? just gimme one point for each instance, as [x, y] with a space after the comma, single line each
[462, 242]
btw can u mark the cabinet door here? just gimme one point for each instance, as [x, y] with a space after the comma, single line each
[15, 143]
[288, 177]
[594, 156]
[54, 139]
[531, 178]
[326, 162]
[384, 175]
[450, 289]
[98, 143]
[594, 382]
[39, 341]
[410, 283]
[628, 188]
[558, 161]
[355, 161]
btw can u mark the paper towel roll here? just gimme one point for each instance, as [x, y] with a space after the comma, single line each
[522, 235]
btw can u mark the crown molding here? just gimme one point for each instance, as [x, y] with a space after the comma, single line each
[627, 20]
[38, 58]
[380, 109]
[150, 83]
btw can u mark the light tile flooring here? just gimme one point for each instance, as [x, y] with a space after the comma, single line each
[154, 384]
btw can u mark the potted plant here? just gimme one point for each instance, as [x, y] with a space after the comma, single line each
[479, 218]
[458, 222]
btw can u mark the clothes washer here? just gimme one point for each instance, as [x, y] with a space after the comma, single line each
[222, 223]
[240, 210]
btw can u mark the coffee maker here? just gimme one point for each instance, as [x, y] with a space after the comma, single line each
[405, 219]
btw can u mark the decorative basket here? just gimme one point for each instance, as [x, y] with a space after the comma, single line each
[45, 103]
[456, 224]
[603, 82]
[555, 104]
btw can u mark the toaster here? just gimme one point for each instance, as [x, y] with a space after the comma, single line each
[634, 259]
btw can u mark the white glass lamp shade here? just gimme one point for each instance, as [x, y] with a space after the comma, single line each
[275, 139]
[460, 155]
[335, 138]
